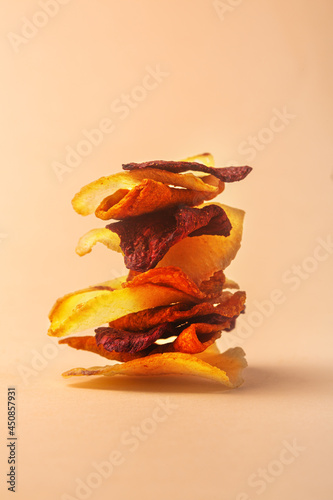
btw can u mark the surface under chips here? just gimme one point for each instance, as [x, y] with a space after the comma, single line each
[147, 238]
[224, 174]
[225, 368]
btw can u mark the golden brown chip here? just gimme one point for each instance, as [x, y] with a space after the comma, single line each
[231, 304]
[197, 337]
[224, 368]
[167, 277]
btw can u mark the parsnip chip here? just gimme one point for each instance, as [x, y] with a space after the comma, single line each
[87, 200]
[100, 235]
[201, 256]
[97, 305]
[149, 196]
[224, 368]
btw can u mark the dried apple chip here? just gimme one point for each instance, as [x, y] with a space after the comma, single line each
[224, 368]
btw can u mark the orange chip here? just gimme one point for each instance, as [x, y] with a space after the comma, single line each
[228, 305]
[149, 196]
[197, 337]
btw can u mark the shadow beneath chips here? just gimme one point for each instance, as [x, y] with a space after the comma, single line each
[169, 384]
[287, 379]
[263, 379]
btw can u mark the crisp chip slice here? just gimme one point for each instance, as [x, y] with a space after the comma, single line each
[200, 257]
[224, 368]
[224, 174]
[87, 200]
[197, 337]
[114, 339]
[227, 305]
[149, 196]
[95, 306]
[147, 238]
[88, 343]
[99, 235]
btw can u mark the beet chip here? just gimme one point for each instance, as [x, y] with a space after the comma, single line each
[224, 174]
[116, 340]
[146, 239]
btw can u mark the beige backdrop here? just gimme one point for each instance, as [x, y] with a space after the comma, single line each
[89, 85]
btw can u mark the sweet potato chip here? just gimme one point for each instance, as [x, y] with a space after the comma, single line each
[95, 306]
[197, 337]
[228, 305]
[201, 256]
[224, 368]
[149, 196]
[225, 174]
[87, 200]
[147, 238]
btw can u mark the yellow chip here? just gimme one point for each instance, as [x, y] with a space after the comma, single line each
[99, 235]
[96, 305]
[225, 368]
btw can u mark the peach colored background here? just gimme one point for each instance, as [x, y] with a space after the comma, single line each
[226, 69]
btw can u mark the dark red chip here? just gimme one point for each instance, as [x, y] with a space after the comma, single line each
[147, 238]
[113, 339]
[224, 174]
